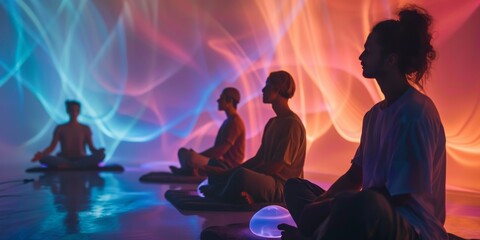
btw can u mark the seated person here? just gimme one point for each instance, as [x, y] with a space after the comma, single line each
[229, 148]
[73, 137]
[395, 187]
[281, 154]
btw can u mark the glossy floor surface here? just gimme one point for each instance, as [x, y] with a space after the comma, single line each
[90, 205]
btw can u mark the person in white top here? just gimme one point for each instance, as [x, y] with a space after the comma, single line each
[74, 137]
[395, 187]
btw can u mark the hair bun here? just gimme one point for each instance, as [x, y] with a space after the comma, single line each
[415, 18]
[410, 39]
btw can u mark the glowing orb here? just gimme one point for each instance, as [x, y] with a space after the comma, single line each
[264, 222]
[205, 182]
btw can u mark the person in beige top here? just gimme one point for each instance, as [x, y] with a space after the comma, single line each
[281, 154]
[73, 137]
[229, 148]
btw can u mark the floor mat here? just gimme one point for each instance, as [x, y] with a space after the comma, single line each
[236, 231]
[190, 201]
[105, 168]
[241, 231]
[168, 177]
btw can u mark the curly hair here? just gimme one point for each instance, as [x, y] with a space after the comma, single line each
[410, 39]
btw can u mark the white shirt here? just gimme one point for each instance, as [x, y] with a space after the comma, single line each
[402, 148]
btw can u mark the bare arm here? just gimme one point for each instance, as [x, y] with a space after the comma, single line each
[218, 151]
[350, 181]
[90, 145]
[47, 150]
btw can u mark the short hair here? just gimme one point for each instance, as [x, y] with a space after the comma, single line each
[284, 82]
[70, 103]
[409, 38]
[232, 94]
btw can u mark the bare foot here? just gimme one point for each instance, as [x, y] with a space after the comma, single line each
[247, 198]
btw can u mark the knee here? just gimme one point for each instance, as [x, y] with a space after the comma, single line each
[50, 160]
[239, 175]
[47, 159]
[99, 155]
[365, 201]
[293, 183]
[292, 186]
[184, 154]
[43, 161]
[370, 199]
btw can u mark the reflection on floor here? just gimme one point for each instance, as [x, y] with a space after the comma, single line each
[89, 205]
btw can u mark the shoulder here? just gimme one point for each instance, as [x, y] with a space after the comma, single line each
[291, 121]
[418, 106]
[233, 123]
[235, 120]
[373, 111]
[296, 119]
[61, 127]
[85, 127]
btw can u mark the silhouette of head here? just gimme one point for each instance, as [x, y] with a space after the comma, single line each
[232, 95]
[72, 107]
[283, 81]
[409, 40]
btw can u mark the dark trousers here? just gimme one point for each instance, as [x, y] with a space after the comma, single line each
[261, 187]
[81, 162]
[351, 215]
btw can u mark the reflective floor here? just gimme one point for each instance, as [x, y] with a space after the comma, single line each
[89, 205]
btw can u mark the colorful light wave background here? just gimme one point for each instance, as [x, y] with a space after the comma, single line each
[148, 74]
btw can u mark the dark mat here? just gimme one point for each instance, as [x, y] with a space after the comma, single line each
[168, 177]
[237, 231]
[241, 231]
[190, 201]
[105, 168]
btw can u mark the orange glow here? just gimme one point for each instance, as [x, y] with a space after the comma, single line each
[148, 73]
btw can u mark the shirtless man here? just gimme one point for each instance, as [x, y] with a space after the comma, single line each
[73, 137]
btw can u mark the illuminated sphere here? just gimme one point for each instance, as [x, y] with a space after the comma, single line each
[203, 183]
[264, 222]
